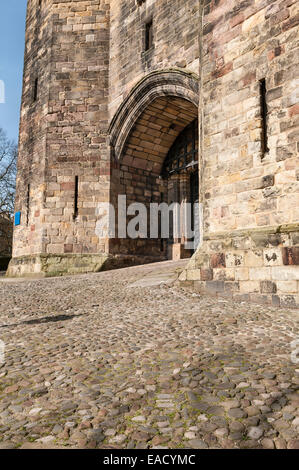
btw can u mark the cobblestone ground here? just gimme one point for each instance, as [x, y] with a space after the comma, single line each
[126, 359]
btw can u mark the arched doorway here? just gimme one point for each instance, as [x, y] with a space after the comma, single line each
[154, 153]
[180, 170]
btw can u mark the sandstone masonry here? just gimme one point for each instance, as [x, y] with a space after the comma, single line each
[110, 87]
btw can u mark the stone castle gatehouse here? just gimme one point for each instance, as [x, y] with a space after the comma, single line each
[163, 101]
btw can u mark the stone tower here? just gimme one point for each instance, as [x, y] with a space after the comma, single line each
[162, 101]
[63, 128]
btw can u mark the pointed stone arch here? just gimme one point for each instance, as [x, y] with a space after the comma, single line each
[165, 83]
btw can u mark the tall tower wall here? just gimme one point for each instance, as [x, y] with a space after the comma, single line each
[64, 168]
[30, 187]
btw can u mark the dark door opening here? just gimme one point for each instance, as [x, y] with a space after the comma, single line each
[194, 198]
[180, 169]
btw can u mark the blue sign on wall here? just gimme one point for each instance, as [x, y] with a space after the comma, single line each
[17, 218]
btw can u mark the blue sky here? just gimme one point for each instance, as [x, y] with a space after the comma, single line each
[12, 42]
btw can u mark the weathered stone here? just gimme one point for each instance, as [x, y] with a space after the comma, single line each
[290, 256]
[237, 413]
[197, 444]
[255, 432]
[267, 443]
[96, 435]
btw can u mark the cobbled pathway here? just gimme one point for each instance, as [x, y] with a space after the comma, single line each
[127, 359]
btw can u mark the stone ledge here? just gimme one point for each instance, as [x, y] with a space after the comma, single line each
[222, 289]
[261, 264]
[287, 228]
[53, 265]
[41, 265]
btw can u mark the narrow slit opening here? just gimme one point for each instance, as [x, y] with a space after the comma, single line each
[28, 204]
[264, 115]
[149, 39]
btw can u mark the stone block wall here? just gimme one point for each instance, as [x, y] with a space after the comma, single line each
[30, 184]
[244, 42]
[77, 126]
[175, 42]
[253, 265]
[63, 130]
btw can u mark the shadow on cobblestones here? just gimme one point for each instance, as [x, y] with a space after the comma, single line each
[54, 318]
